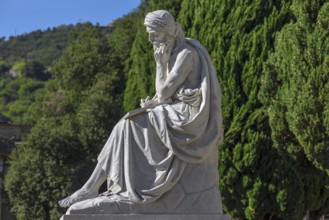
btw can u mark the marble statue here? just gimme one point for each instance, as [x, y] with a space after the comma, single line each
[162, 157]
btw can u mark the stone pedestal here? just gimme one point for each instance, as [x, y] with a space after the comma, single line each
[148, 217]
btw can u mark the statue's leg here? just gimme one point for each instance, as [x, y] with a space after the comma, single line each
[89, 190]
[99, 175]
[96, 179]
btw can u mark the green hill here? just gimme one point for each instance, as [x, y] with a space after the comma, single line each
[42, 46]
[25, 64]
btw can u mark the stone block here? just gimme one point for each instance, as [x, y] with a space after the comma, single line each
[148, 217]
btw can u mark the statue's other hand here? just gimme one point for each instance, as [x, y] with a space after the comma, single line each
[148, 102]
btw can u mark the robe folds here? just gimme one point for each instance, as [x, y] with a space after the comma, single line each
[168, 150]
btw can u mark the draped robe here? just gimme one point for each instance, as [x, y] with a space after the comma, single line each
[168, 151]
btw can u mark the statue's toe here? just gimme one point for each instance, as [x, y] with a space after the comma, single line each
[65, 203]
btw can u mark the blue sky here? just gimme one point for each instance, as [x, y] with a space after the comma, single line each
[23, 16]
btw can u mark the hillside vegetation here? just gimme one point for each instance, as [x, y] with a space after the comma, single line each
[26, 64]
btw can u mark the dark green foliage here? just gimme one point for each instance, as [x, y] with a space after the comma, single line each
[4, 67]
[36, 71]
[17, 96]
[297, 80]
[140, 80]
[120, 42]
[37, 171]
[77, 68]
[239, 36]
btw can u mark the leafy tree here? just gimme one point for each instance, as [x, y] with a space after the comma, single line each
[26, 58]
[17, 95]
[35, 70]
[60, 153]
[239, 35]
[19, 66]
[120, 43]
[4, 67]
[36, 176]
[297, 82]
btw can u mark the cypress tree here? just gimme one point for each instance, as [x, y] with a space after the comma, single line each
[295, 91]
[239, 36]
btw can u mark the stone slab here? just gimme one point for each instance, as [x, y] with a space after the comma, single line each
[148, 217]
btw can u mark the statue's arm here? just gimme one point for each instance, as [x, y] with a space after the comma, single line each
[167, 85]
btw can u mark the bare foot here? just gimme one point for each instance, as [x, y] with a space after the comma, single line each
[80, 195]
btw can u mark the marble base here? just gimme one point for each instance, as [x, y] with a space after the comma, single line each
[148, 217]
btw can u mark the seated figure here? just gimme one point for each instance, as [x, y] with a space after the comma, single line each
[162, 158]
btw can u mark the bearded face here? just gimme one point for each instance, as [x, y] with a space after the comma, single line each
[161, 39]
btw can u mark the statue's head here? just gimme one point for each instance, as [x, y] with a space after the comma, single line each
[160, 21]
[163, 29]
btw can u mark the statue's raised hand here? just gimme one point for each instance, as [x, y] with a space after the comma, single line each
[162, 54]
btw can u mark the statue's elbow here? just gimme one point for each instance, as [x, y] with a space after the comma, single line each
[165, 92]
[162, 97]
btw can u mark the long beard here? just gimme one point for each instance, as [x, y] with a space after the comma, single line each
[168, 46]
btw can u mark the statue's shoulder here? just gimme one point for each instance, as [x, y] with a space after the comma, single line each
[186, 50]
